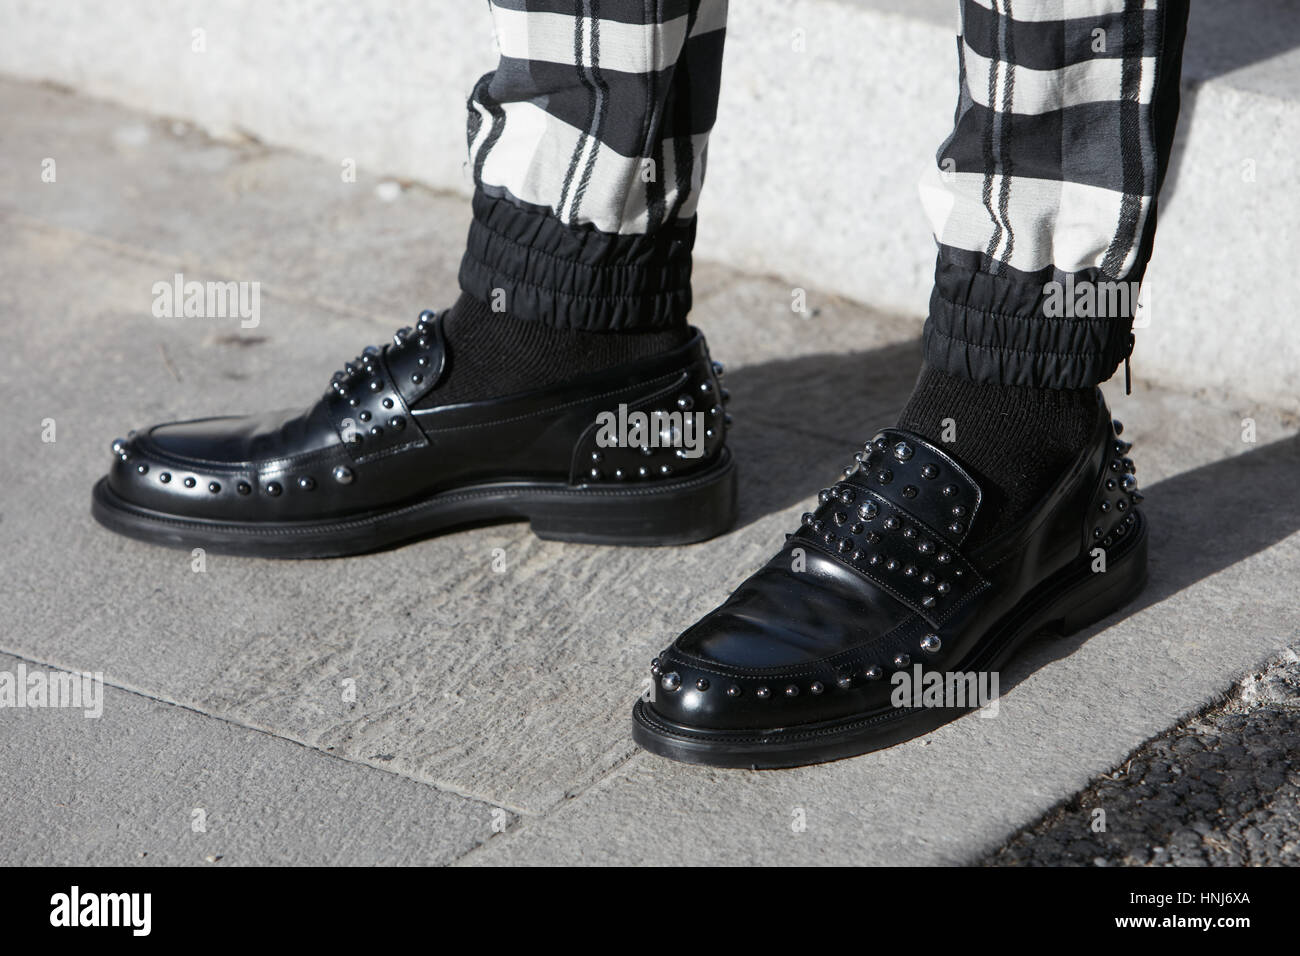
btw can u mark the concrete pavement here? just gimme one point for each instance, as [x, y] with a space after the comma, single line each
[420, 706]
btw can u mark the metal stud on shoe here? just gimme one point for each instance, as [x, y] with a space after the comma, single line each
[921, 535]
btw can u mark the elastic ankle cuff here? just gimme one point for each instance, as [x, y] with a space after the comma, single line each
[576, 277]
[995, 330]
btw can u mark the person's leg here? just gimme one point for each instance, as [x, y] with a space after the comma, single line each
[1005, 504]
[1043, 202]
[588, 148]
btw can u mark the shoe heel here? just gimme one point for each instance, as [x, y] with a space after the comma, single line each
[659, 513]
[1103, 593]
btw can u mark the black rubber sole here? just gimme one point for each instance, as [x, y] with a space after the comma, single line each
[652, 514]
[1064, 604]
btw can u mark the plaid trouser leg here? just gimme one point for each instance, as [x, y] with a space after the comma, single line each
[588, 149]
[1043, 198]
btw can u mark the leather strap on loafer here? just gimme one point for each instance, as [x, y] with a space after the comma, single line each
[371, 399]
[879, 590]
[378, 460]
[899, 519]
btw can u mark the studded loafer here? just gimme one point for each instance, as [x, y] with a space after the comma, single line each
[876, 623]
[366, 467]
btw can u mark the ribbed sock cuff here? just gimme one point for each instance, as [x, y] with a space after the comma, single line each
[1015, 440]
[492, 354]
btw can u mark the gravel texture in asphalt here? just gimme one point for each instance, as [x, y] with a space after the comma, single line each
[1221, 789]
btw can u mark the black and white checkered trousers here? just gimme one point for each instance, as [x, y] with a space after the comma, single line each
[589, 142]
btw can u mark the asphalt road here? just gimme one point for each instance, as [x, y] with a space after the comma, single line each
[1221, 789]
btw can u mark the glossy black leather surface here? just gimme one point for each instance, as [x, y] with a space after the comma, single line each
[877, 579]
[363, 447]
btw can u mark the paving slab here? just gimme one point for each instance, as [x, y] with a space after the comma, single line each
[513, 688]
[144, 783]
[1070, 709]
[448, 656]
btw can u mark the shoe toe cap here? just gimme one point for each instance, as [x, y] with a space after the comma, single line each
[200, 468]
[784, 649]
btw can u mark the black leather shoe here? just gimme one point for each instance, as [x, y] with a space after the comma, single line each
[361, 469]
[876, 592]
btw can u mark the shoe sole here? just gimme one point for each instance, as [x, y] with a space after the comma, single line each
[664, 512]
[1064, 604]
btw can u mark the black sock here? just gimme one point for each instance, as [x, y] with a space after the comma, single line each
[1015, 440]
[492, 354]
